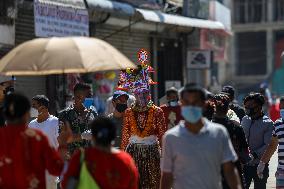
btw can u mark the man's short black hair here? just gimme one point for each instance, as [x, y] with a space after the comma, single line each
[81, 87]
[193, 87]
[229, 90]
[222, 102]
[15, 106]
[42, 100]
[257, 97]
[282, 99]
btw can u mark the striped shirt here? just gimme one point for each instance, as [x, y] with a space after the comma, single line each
[279, 133]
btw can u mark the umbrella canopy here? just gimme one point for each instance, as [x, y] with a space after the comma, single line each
[45, 56]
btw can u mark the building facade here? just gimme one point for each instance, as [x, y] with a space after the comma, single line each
[257, 44]
[161, 27]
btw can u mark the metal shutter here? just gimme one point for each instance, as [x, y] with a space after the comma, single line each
[127, 42]
[24, 25]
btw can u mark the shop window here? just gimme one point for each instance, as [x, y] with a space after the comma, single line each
[250, 11]
[278, 10]
[7, 11]
[251, 53]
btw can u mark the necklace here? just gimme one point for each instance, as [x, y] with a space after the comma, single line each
[143, 129]
[143, 109]
[141, 119]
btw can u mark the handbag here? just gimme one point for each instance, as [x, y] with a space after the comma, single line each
[86, 180]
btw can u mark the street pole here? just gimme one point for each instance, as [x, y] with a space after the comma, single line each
[185, 12]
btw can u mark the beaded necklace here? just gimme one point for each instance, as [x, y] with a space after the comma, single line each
[144, 128]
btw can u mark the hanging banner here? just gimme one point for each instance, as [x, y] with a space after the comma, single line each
[53, 20]
[215, 41]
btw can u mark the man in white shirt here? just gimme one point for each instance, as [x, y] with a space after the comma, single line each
[48, 124]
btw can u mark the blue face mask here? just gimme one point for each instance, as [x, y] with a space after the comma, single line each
[88, 102]
[191, 114]
[282, 113]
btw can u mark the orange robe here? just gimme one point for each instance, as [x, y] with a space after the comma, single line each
[143, 124]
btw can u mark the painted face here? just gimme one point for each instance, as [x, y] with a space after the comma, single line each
[143, 98]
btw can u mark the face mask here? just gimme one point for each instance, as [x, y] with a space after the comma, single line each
[121, 107]
[34, 112]
[173, 103]
[249, 111]
[282, 113]
[191, 114]
[68, 103]
[88, 102]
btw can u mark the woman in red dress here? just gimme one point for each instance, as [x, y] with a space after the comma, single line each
[110, 168]
[25, 153]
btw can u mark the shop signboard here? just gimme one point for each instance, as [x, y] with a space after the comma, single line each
[52, 19]
[199, 59]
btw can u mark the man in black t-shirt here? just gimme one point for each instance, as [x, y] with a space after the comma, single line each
[6, 87]
[236, 133]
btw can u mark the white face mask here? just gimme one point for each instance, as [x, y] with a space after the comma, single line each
[34, 112]
[68, 103]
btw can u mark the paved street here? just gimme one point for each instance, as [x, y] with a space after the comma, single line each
[272, 170]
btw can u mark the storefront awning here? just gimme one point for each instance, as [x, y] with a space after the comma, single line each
[76, 4]
[159, 17]
[111, 7]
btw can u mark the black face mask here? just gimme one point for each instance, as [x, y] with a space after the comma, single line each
[250, 112]
[121, 107]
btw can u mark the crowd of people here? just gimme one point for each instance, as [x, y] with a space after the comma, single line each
[196, 140]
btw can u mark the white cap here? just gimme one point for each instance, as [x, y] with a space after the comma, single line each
[6, 78]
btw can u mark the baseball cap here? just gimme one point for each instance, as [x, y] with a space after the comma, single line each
[229, 90]
[118, 94]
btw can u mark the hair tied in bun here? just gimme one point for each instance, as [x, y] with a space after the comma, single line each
[103, 133]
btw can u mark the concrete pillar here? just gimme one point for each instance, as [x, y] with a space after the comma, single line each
[155, 66]
[233, 55]
[270, 12]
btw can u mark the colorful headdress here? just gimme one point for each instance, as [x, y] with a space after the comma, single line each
[137, 80]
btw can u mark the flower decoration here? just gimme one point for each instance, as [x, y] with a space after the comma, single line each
[137, 80]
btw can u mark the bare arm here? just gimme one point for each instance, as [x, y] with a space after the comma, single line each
[271, 148]
[232, 176]
[166, 180]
